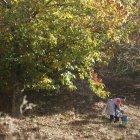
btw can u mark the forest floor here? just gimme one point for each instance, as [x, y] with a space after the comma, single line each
[75, 117]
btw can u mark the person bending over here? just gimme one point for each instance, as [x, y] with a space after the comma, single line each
[113, 108]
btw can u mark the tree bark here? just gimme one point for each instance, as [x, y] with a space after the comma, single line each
[17, 101]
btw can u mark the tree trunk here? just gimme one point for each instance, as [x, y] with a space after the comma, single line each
[17, 101]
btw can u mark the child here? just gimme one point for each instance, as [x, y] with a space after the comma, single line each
[113, 108]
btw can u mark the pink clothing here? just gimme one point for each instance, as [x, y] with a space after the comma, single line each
[118, 101]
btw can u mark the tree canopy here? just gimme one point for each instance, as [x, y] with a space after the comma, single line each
[127, 56]
[49, 43]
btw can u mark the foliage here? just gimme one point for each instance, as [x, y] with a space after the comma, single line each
[49, 43]
[127, 60]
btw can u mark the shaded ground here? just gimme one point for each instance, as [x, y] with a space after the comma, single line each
[76, 117]
[128, 88]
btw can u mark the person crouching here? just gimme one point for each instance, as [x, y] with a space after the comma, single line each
[113, 108]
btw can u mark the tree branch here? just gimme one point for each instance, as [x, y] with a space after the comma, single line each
[5, 3]
[60, 4]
